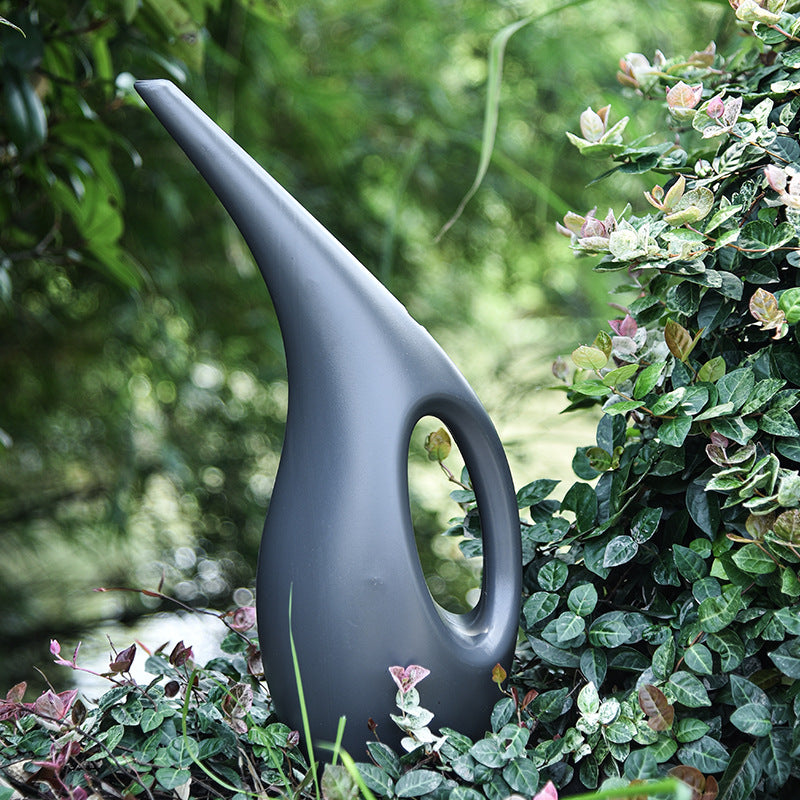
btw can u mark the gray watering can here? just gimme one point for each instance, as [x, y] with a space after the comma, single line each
[338, 539]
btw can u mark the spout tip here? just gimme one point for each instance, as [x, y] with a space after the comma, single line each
[148, 89]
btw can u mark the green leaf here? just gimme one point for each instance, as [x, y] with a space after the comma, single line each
[564, 628]
[760, 236]
[375, 778]
[698, 658]
[789, 303]
[588, 357]
[582, 499]
[553, 655]
[623, 407]
[521, 775]
[762, 393]
[664, 659]
[609, 630]
[647, 380]
[593, 665]
[170, 777]
[706, 754]
[620, 374]
[688, 563]
[729, 646]
[775, 754]
[688, 690]
[673, 432]
[591, 388]
[535, 492]
[539, 606]
[740, 429]
[502, 712]
[754, 560]
[786, 657]
[753, 719]
[716, 613]
[668, 401]
[690, 729]
[712, 370]
[553, 575]
[582, 599]
[620, 550]
[645, 523]
[151, 719]
[703, 508]
[722, 215]
[741, 775]
[779, 422]
[736, 387]
[417, 782]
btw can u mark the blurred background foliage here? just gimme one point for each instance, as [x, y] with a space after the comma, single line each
[141, 370]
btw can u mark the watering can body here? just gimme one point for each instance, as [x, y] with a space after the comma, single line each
[338, 574]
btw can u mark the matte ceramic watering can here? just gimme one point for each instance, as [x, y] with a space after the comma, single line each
[338, 534]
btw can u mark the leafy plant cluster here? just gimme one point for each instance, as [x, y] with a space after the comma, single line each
[661, 618]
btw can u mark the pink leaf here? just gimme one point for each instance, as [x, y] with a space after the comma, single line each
[408, 677]
[549, 792]
[244, 618]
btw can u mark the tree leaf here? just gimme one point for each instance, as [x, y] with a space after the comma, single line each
[698, 658]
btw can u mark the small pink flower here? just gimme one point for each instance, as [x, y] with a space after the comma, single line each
[549, 792]
[55, 648]
[243, 619]
[408, 677]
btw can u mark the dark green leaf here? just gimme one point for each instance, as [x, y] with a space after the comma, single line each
[688, 563]
[689, 729]
[703, 507]
[539, 606]
[417, 782]
[688, 690]
[582, 599]
[593, 665]
[581, 499]
[553, 575]
[698, 658]
[620, 550]
[376, 779]
[786, 657]
[553, 655]
[730, 648]
[535, 492]
[522, 776]
[170, 778]
[673, 432]
[609, 630]
[647, 380]
[753, 719]
[706, 754]
[716, 613]
[741, 775]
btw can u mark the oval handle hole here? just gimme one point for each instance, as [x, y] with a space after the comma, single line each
[453, 579]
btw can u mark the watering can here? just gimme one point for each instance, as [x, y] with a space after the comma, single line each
[339, 575]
